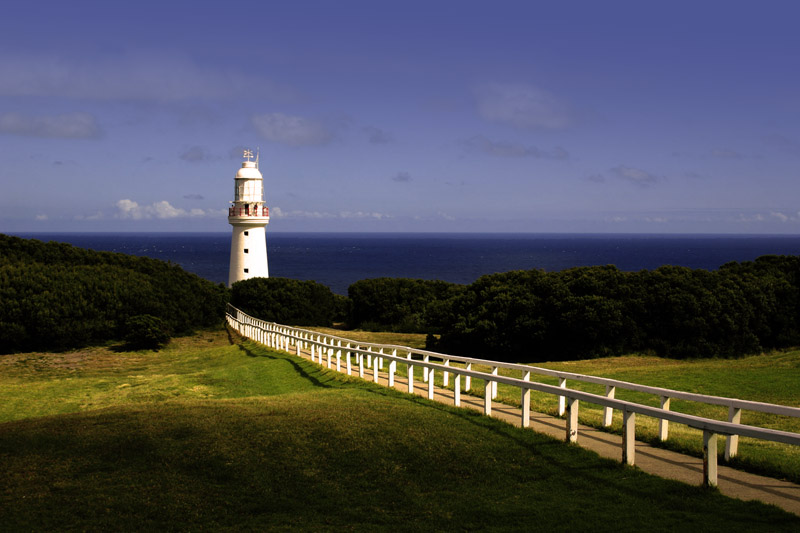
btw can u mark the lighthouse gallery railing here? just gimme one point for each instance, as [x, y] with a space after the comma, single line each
[286, 337]
[248, 212]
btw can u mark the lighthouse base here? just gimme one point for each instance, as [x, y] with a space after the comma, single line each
[248, 253]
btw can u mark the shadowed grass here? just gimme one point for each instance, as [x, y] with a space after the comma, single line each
[278, 443]
[769, 378]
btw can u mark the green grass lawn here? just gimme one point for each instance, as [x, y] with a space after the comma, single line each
[209, 435]
[770, 378]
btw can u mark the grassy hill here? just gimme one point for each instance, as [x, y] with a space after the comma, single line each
[213, 434]
[771, 378]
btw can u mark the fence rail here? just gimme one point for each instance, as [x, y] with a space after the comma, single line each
[343, 350]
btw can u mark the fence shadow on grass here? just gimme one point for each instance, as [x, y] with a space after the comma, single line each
[307, 371]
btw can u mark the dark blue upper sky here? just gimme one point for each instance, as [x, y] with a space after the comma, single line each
[574, 116]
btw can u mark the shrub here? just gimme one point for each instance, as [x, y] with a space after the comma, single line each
[287, 301]
[146, 331]
[57, 297]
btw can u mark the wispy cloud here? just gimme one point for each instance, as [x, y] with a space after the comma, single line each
[195, 154]
[402, 177]
[784, 143]
[521, 105]
[140, 76]
[291, 130]
[727, 154]
[66, 126]
[635, 175]
[130, 209]
[479, 143]
[194, 196]
[377, 135]
[277, 212]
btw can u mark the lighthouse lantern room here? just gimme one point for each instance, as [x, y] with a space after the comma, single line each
[249, 217]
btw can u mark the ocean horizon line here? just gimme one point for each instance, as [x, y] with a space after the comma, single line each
[421, 233]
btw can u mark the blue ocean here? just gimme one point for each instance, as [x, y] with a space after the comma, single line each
[339, 259]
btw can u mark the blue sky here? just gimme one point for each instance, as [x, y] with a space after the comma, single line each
[654, 117]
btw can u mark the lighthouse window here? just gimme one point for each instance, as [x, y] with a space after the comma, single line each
[246, 270]
[246, 251]
[246, 233]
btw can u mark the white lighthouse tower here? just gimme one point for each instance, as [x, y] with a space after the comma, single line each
[249, 216]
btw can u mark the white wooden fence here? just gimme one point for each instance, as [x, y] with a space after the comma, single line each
[325, 349]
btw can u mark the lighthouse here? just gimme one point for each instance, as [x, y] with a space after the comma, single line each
[249, 217]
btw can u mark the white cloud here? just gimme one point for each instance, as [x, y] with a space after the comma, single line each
[129, 209]
[780, 216]
[479, 143]
[277, 212]
[140, 76]
[41, 217]
[402, 177]
[521, 105]
[635, 175]
[362, 214]
[66, 126]
[291, 130]
[97, 216]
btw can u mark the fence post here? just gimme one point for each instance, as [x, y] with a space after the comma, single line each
[339, 359]
[732, 442]
[349, 368]
[425, 359]
[608, 412]
[360, 362]
[375, 369]
[709, 458]
[446, 374]
[392, 367]
[572, 420]
[457, 390]
[663, 425]
[430, 384]
[330, 356]
[628, 437]
[526, 402]
[487, 398]
[312, 352]
[494, 383]
[562, 382]
[468, 379]
[410, 371]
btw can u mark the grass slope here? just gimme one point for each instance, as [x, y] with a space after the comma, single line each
[211, 436]
[769, 378]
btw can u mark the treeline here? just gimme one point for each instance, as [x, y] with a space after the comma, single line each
[742, 308]
[54, 296]
[289, 301]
